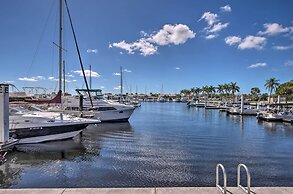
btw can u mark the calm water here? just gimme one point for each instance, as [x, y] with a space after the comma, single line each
[164, 144]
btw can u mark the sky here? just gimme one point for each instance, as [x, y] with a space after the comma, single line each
[162, 45]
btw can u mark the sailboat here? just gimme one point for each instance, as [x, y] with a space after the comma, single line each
[36, 127]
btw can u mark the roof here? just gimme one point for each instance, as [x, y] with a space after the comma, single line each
[91, 90]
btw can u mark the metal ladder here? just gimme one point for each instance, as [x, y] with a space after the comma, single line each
[246, 190]
[223, 188]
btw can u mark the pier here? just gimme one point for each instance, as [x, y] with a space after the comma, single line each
[155, 190]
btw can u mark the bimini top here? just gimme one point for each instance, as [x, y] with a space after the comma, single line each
[84, 91]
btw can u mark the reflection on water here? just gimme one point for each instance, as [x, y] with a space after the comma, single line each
[164, 144]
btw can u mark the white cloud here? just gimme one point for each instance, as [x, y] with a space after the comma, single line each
[117, 88]
[209, 17]
[226, 8]
[288, 63]
[27, 79]
[230, 40]
[117, 74]
[143, 33]
[283, 47]
[211, 36]
[8, 82]
[102, 87]
[127, 70]
[172, 34]
[169, 34]
[272, 29]
[218, 27]
[251, 42]
[32, 79]
[87, 73]
[123, 45]
[257, 65]
[51, 78]
[92, 51]
[74, 80]
[177, 68]
[214, 25]
[69, 75]
[144, 47]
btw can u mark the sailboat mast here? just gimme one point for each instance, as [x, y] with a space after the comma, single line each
[121, 81]
[60, 46]
[90, 76]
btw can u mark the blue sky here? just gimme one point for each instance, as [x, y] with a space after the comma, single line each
[177, 44]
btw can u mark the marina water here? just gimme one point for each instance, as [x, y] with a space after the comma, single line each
[164, 144]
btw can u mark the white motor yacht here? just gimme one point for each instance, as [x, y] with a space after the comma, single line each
[105, 110]
[36, 127]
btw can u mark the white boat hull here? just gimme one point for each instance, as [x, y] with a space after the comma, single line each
[114, 115]
[55, 137]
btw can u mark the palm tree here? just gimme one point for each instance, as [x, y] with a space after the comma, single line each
[271, 85]
[220, 89]
[227, 89]
[255, 92]
[212, 90]
[234, 88]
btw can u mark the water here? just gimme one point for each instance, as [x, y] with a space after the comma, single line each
[164, 144]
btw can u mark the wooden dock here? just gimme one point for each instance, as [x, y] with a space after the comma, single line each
[166, 190]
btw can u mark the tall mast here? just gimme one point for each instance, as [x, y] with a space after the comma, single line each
[60, 46]
[121, 81]
[90, 76]
[64, 77]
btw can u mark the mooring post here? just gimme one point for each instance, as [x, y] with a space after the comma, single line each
[242, 104]
[4, 113]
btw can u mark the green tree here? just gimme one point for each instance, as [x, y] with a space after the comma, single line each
[285, 89]
[255, 92]
[271, 85]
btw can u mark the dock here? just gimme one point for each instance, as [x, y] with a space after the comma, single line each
[161, 190]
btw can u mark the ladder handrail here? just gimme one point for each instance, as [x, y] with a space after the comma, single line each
[247, 178]
[224, 188]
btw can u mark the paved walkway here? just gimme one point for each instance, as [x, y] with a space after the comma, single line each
[173, 190]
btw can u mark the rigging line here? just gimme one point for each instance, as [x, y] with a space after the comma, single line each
[78, 52]
[39, 42]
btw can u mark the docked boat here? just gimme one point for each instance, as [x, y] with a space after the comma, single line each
[37, 127]
[269, 116]
[196, 104]
[103, 109]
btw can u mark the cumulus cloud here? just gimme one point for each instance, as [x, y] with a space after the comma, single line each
[257, 65]
[117, 88]
[226, 8]
[211, 36]
[117, 74]
[209, 17]
[214, 25]
[88, 73]
[127, 70]
[32, 79]
[230, 40]
[218, 27]
[283, 47]
[272, 29]
[172, 34]
[8, 82]
[177, 68]
[288, 63]
[249, 42]
[92, 51]
[148, 45]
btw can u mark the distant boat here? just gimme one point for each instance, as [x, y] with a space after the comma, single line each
[196, 104]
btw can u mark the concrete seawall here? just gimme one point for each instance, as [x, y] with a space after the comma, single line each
[173, 190]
